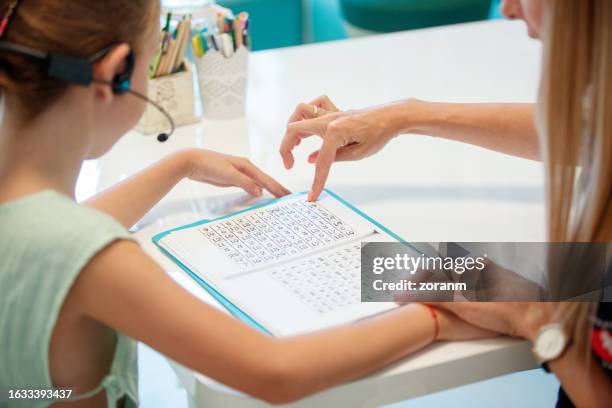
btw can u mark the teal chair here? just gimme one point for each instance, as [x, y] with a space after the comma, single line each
[323, 21]
[396, 15]
[495, 10]
[274, 23]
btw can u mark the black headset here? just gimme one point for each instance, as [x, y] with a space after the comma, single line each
[79, 71]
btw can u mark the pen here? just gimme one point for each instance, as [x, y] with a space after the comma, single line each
[215, 41]
[232, 33]
[247, 39]
[168, 19]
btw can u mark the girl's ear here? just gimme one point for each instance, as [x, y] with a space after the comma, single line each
[107, 68]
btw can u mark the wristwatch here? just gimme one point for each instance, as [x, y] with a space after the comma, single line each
[550, 343]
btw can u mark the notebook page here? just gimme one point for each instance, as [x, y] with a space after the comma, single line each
[267, 236]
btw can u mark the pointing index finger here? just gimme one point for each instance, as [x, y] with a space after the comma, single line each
[323, 165]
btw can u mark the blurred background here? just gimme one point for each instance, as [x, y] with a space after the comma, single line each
[285, 23]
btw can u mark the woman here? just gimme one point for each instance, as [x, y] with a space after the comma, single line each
[570, 129]
[74, 287]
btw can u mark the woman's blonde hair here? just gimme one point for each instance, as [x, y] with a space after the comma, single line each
[574, 120]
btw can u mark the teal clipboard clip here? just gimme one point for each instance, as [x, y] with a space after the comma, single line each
[229, 306]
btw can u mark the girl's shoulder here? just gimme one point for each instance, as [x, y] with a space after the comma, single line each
[49, 219]
[49, 233]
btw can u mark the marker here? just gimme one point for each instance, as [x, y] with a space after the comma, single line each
[228, 24]
[197, 46]
[204, 41]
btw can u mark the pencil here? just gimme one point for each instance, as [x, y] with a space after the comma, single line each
[238, 33]
[182, 45]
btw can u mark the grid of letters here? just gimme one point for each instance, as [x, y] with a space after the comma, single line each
[275, 233]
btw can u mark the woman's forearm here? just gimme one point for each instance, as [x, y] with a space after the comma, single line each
[583, 380]
[506, 128]
[131, 199]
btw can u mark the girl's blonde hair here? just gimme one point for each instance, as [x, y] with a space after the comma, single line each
[574, 120]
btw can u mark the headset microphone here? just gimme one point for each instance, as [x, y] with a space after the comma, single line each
[162, 137]
[79, 71]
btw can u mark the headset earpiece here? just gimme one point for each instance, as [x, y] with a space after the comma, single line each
[122, 82]
[80, 72]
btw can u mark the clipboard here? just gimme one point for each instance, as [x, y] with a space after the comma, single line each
[229, 306]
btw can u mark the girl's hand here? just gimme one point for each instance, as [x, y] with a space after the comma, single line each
[453, 328]
[230, 171]
[347, 136]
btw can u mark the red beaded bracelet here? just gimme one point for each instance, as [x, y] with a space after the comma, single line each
[7, 17]
[434, 314]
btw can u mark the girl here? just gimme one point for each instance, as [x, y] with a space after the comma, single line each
[573, 136]
[74, 287]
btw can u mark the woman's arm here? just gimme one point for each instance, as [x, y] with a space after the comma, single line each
[355, 135]
[506, 128]
[582, 379]
[126, 290]
[130, 200]
[586, 384]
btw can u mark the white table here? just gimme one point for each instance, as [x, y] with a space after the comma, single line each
[423, 188]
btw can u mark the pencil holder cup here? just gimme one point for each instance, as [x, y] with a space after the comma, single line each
[175, 93]
[223, 83]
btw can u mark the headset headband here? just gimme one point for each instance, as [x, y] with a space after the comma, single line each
[76, 70]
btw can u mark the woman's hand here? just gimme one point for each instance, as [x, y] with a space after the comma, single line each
[516, 319]
[228, 171]
[347, 136]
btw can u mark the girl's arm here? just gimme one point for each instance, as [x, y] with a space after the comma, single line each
[131, 199]
[127, 291]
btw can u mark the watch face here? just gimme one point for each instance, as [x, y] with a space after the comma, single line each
[550, 342]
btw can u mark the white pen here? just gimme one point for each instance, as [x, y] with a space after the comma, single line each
[227, 45]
